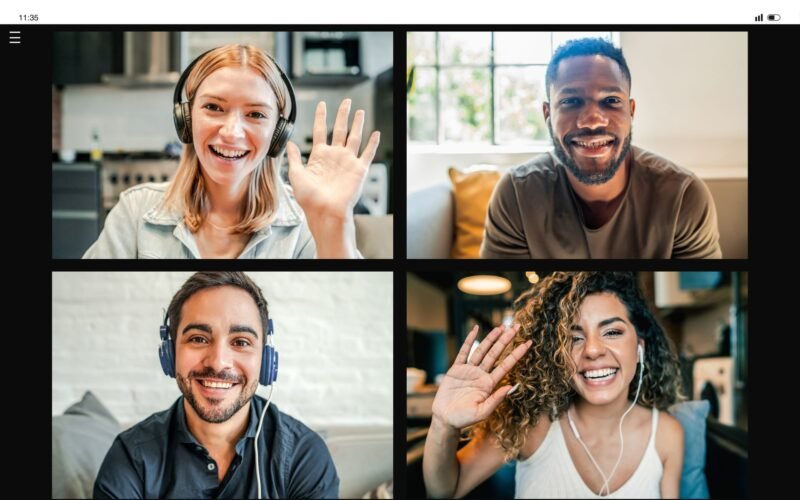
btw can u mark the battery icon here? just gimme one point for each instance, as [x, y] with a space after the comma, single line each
[774, 17]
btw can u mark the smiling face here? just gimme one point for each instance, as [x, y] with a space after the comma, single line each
[589, 117]
[604, 349]
[234, 113]
[218, 351]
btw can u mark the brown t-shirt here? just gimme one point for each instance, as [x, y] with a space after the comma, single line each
[666, 212]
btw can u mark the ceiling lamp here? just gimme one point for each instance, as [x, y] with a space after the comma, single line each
[532, 277]
[484, 284]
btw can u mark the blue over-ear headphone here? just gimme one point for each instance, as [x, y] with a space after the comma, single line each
[269, 358]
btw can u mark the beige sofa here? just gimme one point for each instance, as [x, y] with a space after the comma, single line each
[375, 236]
[430, 219]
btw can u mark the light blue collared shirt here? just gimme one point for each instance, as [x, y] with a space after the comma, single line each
[140, 227]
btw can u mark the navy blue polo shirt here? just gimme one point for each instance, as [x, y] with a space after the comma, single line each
[160, 458]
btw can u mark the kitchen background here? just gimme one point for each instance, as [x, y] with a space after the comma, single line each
[705, 315]
[112, 111]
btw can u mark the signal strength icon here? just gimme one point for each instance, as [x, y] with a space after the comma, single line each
[760, 18]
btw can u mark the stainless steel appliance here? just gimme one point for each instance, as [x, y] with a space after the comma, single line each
[119, 175]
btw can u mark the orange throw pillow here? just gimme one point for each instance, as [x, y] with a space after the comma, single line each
[471, 192]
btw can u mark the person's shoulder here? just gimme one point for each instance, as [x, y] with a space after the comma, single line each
[151, 189]
[669, 435]
[652, 165]
[143, 197]
[535, 436]
[669, 425]
[288, 212]
[154, 427]
[541, 167]
[285, 424]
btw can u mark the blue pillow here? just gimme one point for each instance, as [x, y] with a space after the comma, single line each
[692, 416]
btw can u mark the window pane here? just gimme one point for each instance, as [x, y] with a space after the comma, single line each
[466, 112]
[421, 48]
[560, 37]
[521, 48]
[422, 106]
[464, 48]
[519, 93]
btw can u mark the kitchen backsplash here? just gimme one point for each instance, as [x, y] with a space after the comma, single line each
[141, 119]
[126, 119]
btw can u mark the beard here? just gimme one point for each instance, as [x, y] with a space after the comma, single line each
[592, 177]
[215, 412]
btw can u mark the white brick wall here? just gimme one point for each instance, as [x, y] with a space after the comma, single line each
[333, 331]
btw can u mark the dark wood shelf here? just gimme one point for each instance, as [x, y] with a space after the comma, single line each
[328, 80]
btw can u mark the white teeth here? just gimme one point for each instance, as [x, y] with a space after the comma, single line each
[230, 153]
[216, 385]
[593, 144]
[600, 373]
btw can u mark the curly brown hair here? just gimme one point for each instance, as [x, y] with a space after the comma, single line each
[545, 314]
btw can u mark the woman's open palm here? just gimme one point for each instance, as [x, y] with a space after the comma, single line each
[465, 394]
[331, 182]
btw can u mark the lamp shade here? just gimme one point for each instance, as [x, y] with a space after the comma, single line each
[484, 284]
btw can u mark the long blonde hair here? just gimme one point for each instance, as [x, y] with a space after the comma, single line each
[187, 191]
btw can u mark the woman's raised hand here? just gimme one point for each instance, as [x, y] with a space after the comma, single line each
[330, 184]
[465, 394]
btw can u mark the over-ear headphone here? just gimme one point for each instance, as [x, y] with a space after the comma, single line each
[182, 112]
[269, 359]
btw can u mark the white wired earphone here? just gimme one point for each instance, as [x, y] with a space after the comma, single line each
[271, 378]
[258, 431]
[606, 485]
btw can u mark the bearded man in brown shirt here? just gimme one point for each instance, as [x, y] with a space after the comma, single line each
[596, 196]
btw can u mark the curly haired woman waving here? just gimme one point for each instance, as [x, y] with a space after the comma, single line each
[575, 392]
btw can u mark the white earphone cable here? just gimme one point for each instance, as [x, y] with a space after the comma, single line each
[607, 480]
[607, 486]
[255, 441]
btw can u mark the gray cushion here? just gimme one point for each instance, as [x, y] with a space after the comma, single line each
[692, 416]
[81, 439]
[430, 223]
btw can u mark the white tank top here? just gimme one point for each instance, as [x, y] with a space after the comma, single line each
[550, 472]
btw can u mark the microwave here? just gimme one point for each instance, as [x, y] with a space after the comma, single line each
[326, 53]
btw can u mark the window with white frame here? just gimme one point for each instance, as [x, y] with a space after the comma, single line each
[483, 88]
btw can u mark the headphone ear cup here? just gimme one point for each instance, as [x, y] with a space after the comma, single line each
[166, 353]
[283, 131]
[269, 366]
[182, 116]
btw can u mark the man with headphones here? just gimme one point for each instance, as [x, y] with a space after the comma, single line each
[219, 439]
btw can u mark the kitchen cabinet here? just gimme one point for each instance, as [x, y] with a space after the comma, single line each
[705, 313]
[326, 59]
[77, 217]
[82, 57]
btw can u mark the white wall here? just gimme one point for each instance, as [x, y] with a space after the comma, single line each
[691, 107]
[691, 97]
[333, 331]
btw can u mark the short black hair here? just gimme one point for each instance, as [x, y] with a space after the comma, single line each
[202, 280]
[585, 47]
